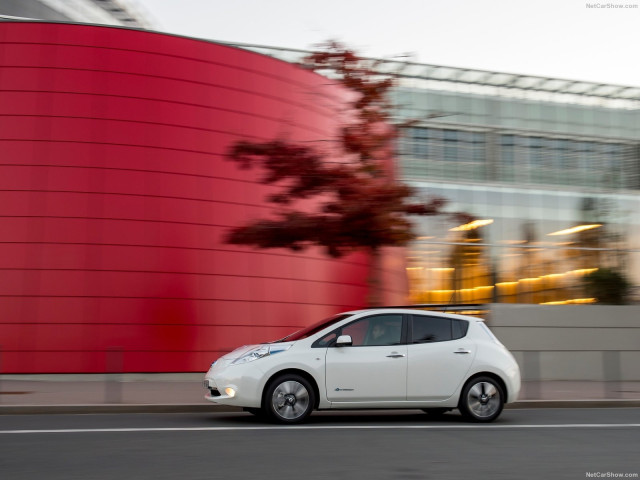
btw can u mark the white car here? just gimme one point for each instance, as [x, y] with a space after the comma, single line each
[376, 358]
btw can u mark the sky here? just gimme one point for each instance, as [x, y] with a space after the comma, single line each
[552, 38]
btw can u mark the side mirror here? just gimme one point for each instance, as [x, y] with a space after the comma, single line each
[344, 341]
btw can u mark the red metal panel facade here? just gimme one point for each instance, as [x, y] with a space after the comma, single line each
[115, 196]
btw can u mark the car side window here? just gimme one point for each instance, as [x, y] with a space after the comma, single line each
[459, 328]
[375, 330]
[327, 341]
[356, 330]
[426, 329]
[379, 330]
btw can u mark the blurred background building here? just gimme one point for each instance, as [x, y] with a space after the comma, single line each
[549, 167]
[125, 13]
[115, 194]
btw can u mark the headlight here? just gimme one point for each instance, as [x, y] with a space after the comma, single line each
[259, 352]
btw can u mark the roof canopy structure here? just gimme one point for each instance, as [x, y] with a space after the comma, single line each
[502, 84]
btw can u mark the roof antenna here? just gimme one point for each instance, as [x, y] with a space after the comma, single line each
[446, 307]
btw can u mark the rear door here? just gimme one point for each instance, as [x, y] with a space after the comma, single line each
[439, 357]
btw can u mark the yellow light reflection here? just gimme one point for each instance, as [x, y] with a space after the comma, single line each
[583, 271]
[553, 275]
[573, 301]
[579, 228]
[529, 289]
[472, 225]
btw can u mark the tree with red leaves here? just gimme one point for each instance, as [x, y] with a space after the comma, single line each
[360, 204]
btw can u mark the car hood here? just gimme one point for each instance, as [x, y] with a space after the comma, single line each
[238, 352]
[274, 348]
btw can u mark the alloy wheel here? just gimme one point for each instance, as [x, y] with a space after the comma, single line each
[290, 400]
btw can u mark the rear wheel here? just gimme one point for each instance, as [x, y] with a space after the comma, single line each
[289, 398]
[482, 400]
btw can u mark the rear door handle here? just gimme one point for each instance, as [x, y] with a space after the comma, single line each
[462, 351]
[395, 355]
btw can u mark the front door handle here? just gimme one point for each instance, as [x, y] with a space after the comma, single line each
[462, 351]
[395, 355]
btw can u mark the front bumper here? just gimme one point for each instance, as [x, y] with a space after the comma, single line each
[212, 389]
[235, 385]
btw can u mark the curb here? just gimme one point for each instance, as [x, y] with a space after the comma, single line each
[208, 408]
[113, 408]
[595, 403]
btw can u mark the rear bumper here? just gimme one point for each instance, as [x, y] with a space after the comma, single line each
[513, 385]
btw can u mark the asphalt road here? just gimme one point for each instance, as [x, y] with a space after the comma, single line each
[536, 444]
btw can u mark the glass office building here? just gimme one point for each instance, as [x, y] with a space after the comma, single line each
[549, 168]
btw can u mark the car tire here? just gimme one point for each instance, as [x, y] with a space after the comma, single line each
[289, 399]
[482, 400]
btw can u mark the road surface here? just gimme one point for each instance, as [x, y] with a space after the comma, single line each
[536, 443]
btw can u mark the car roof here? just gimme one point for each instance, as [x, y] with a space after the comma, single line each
[414, 311]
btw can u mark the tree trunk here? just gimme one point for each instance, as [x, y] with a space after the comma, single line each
[374, 280]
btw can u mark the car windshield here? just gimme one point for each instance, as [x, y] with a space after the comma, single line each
[311, 329]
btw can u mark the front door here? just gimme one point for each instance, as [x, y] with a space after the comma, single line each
[374, 368]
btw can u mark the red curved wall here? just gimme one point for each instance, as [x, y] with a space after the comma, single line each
[114, 197]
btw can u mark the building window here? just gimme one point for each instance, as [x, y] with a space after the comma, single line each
[445, 153]
[543, 160]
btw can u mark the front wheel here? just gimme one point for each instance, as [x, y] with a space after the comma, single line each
[289, 399]
[482, 400]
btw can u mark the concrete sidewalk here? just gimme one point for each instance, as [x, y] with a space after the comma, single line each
[184, 393]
